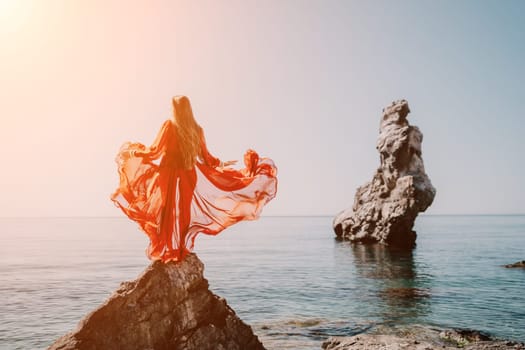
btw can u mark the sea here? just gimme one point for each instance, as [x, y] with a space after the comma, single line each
[285, 276]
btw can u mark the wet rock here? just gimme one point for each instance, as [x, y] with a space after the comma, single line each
[421, 338]
[463, 337]
[385, 208]
[516, 264]
[168, 307]
[371, 342]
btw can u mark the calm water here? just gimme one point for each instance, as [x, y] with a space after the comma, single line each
[287, 277]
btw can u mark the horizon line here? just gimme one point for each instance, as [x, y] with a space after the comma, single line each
[262, 216]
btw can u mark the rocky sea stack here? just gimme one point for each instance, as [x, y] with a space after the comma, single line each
[385, 208]
[168, 307]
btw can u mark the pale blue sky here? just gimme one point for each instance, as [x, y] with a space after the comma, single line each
[303, 82]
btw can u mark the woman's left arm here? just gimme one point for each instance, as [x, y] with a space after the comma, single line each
[159, 145]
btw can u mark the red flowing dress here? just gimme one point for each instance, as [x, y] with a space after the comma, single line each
[172, 205]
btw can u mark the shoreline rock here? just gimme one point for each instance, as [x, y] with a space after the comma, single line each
[385, 208]
[421, 338]
[168, 307]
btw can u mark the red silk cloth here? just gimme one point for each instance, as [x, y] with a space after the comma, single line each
[172, 205]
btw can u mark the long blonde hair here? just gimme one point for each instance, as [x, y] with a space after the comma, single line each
[188, 131]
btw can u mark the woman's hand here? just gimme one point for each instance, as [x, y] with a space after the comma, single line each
[137, 154]
[228, 163]
[225, 164]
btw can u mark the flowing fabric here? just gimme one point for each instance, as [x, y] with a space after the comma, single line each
[172, 205]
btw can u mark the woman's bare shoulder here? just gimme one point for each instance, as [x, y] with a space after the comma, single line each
[168, 124]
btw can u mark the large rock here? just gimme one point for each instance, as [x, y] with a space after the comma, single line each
[422, 338]
[168, 307]
[385, 208]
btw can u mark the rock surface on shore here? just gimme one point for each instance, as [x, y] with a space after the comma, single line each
[385, 208]
[421, 338]
[168, 307]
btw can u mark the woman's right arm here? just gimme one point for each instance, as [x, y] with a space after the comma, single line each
[207, 158]
[210, 160]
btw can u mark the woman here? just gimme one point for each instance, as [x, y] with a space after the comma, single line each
[189, 191]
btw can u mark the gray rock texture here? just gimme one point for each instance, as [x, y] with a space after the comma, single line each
[168, 307]
[516, 264]
[422, 338]
[385, 208]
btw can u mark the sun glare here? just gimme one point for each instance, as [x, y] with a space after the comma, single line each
[13, 14]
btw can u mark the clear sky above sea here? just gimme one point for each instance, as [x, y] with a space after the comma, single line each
[302, 82]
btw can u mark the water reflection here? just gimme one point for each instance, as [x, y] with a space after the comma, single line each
[382, 262]
[392, 274]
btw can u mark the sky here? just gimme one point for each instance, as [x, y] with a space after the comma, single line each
[302, 82]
